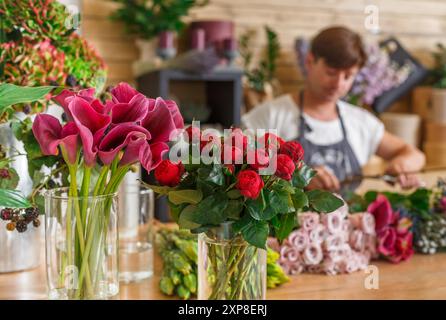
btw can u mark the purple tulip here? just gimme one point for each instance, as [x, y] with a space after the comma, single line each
[50, 134]
[119, 138]
[91, 125]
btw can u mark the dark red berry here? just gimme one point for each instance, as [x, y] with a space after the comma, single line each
[71, 81]
[4, 174]
[6, 214]
[26, 109]
[21, 226]
[31, 214]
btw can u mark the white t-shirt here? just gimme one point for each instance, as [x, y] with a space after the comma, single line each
[364, 130]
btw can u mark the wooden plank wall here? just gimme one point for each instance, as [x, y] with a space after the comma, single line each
[418, 24]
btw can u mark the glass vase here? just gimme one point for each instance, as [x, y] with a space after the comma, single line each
[229, 268]
[81, 245]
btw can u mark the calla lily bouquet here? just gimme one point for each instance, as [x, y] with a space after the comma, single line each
[126, 130]
[108, 138]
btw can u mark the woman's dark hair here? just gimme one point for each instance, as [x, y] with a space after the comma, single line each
[340, 47]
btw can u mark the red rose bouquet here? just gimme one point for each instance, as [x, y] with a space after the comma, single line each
[239, 188]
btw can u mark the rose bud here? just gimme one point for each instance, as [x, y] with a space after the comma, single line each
[293, 149]
[249, 183]
[169, 173]
[285, 167]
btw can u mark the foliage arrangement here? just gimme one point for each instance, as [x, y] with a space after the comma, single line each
[419, 216]
[258, 77]
[17, 210]
[148, 18]
[40, 47]
[438, 74]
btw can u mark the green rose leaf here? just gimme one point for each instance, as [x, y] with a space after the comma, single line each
[288, 222]
[242, 223]
[161, 190]
[256, 206]
[185, 196]
[186, 216]
[234, 208]
[300, 199]
[302, 177]
[234, 194]
[13, 199]
[212, 210]
[214, 175]
[256, 233]
[323, 201]
[277, 200]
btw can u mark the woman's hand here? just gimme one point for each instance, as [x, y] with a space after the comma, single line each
[324, 179]
[406, 179]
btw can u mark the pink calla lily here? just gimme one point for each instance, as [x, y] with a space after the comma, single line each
[91, 125]
[118, 138]
[131, 154]
[175, 112]
[160, 122]
[50, 134]
[134, 111]
[123, 93]
[64, 98]
[151, 156]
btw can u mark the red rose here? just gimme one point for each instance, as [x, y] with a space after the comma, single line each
[249, 183]
[257, 159]
[237, 139]
[208, 139]
[193, 134]
[292, 149]
[169, 173]
[231, 155]
[285, 167]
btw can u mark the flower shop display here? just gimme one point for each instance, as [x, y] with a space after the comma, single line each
[107, 138]
[178, 249]
[19, 220]
[234, 208]
[333, 243]
[40, 49]
[406, 222]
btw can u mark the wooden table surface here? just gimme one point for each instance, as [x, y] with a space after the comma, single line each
[422, 277]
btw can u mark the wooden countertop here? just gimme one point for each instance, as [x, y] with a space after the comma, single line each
[422, 277]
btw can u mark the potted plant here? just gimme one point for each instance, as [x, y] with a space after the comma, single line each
[260, 84]
[148, 19]
[438, 76]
